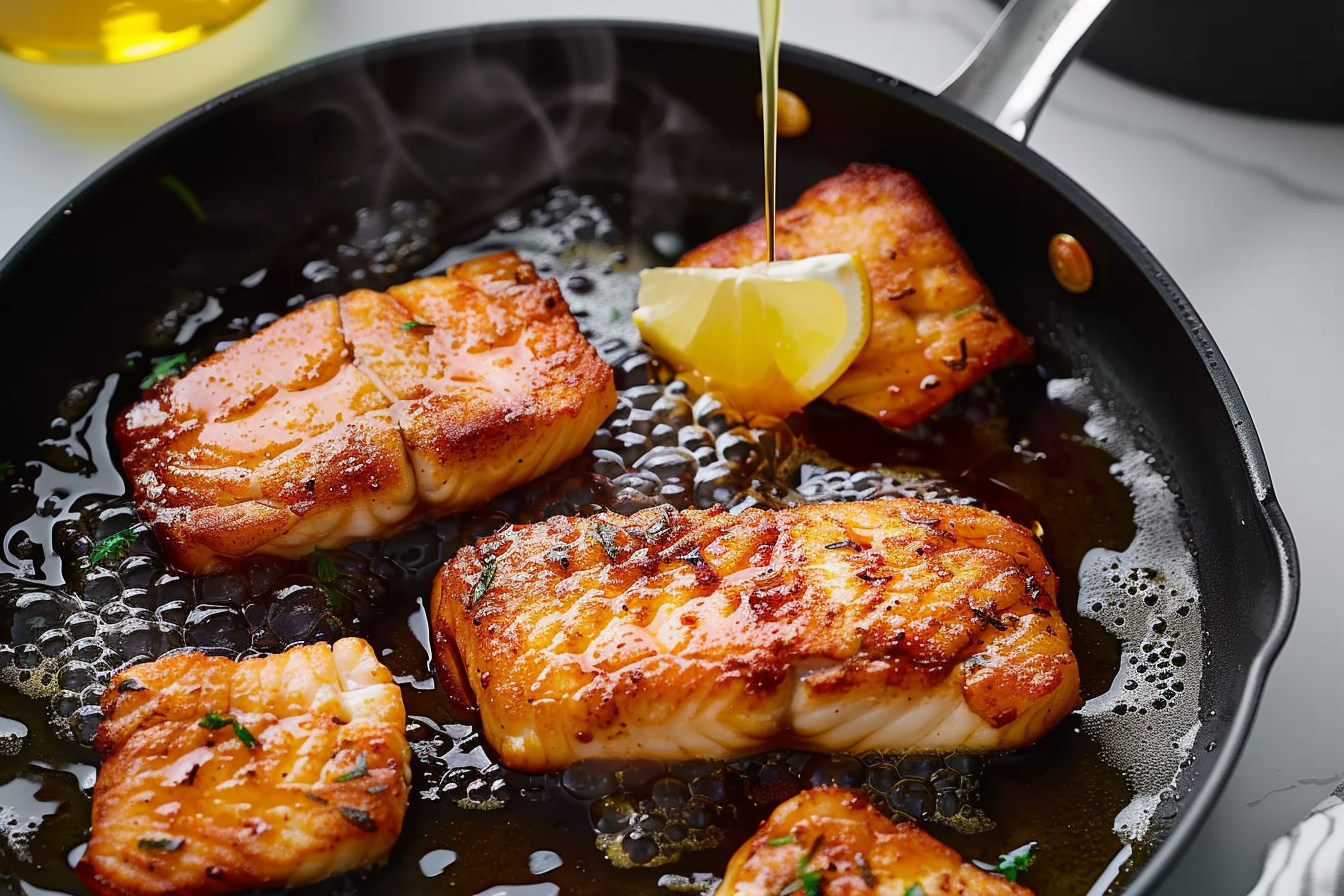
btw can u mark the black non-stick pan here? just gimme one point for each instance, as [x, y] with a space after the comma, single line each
[285, 189]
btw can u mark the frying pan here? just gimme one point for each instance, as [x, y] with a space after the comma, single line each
[482, 117]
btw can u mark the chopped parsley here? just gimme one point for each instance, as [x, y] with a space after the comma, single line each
[361, 770]
[958, 313]
[781, 841]
[866, 871]
[183, 192]
[6, 466]
[115, 546]
[1011, 864]
[326, 573]
[315, 798]
[213, 721]
[915, 889]
[605, 533]
[483, 583]
[377, 788]
[658, 527]
[167, 844]
[415, 325]
[159, 368]
[359, 818]
[326, 568]
[807, 882]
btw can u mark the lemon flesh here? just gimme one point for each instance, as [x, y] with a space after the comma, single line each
[771, 337]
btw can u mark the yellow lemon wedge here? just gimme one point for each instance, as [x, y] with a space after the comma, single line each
[771, 337]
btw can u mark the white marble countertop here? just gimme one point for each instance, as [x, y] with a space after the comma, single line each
[1246, 213]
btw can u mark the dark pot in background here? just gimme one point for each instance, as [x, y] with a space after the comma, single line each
[1284, 58]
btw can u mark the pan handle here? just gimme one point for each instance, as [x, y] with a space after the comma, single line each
[1009, 77]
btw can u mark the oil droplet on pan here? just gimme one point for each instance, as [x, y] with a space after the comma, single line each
[793, 118]
[1071, 265]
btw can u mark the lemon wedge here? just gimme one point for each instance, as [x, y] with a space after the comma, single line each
[772, 337]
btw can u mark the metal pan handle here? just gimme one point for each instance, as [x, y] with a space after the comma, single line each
[1009, 77]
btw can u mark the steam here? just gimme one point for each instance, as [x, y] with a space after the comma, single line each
[484, 124]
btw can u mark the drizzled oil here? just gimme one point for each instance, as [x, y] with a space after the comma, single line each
[770, 15]
[1004, 445]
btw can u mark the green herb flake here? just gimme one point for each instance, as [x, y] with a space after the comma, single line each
[115, 546]
[213, 721]
[915, 889]
[377, 788]
[483, 582]
[315, 798]
[243, 734]
[781, 841]
[807, 882]
[359, 818]
[166, 844]
[6, 466]
[130, 684]
[605, 533]
[161, 368]
[616, 315]
[658, 527]
[361, 770]
[866, 871]
[325, 567]
[326, 573]
[958, 313]
[183, 192]
[1011, 864]
[415, 325]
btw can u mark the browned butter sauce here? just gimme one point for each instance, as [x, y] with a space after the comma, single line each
[473, 827]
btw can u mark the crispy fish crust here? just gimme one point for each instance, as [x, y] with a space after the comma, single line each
[180, 808]
[891, 624]
[857, 851]
[336, 424]
[935, 328]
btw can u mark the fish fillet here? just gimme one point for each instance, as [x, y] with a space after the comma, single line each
[891, 624]
[831, 840]
[350, 418]
[183, 808]
[935, 327]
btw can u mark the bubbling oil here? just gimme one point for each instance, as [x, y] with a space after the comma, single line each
[1020, 444]
[98, 31]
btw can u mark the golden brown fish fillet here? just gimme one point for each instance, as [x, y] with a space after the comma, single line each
[836, 841]
[935, 328]
[350, 418]
[187, 809]
[890, 624]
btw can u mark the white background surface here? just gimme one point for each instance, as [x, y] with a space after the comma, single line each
[1246, 213]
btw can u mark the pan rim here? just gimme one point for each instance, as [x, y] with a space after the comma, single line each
[1214, 781]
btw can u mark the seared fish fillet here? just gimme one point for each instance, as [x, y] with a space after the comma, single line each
[890, 624]
[838, 840]
[185, 803]
[348, 419]
[935, 328]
